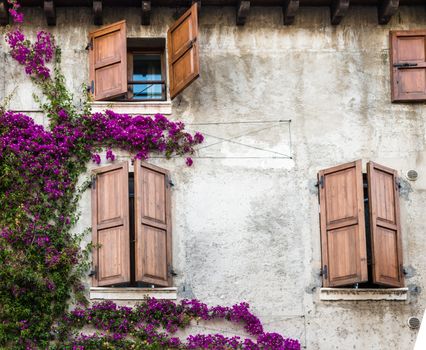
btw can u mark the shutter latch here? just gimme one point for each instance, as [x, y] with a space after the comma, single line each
[404, 65]
[324, 272]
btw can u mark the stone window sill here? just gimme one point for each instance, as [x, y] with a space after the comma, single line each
[337, 294]
[132, 294]
[134, 108]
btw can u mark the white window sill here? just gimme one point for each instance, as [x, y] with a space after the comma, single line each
[132, 294]
[133, 108]
[337, 294]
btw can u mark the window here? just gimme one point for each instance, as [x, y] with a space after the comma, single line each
[121, 70]
[146, 76]
[360, 228]
[131, 226]
[408, 65]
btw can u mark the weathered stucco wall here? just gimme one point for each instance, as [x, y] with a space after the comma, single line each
[247, 229]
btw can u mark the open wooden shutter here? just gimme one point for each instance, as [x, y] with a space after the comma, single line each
[153, 233]
[408, 65]
[108, 61]
[385, 226]
[184, 65]
[343, 242]
[110, 225]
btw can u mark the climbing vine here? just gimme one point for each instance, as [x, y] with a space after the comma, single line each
[41, 262]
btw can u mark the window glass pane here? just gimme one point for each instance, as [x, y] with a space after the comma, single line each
[147, 68]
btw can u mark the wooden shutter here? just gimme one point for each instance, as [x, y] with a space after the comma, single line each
[182, 44]
[408, 65]
[343, 242]
[108, 61]
[153, 234]
[110, 225]
[385, 226]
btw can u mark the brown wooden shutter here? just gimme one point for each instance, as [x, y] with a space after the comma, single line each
[108, 61]
[408, 65]
[110, 225]
[343, 242]
[153, 233]
[182, 44]
[385, 227]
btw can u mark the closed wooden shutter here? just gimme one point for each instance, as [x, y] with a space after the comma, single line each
[385, 226]
[153, 234]
[182, 44]
[108, 61]
[343, 242]
[408, 65]
[110, 225]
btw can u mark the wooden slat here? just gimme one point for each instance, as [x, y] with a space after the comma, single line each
[343, 242]
[97, 12]
[339, 9]
[183, 51]
[50, 11]
[108, 61]
[146, 12]
[386, 9]
[153, 255]
[386, 242]
[4, 13]
[408, 48]
[110, 225]
[243, 10]
[289, 11]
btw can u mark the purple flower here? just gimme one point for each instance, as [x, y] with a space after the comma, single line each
[189, 161]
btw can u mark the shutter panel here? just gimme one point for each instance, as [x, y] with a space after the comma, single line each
[184, 65]
[343, 242]
[385, 227]
[153, 234]
[408, 65]
[108, 61]
[110, 225]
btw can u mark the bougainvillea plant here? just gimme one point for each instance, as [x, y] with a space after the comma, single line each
[41, 262]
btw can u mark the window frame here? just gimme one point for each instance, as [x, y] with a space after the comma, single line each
[139, 270]
[145, 51]
[385, 270]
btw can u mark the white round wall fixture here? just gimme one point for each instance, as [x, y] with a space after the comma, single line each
[412, 175]
[413, 322]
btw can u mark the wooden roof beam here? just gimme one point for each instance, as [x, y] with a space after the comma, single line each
[243, 10]
[338, 10]
[97, 12]
[4, 13]
[386, 9]
[146, 13]
[289, 11]
[50, 11]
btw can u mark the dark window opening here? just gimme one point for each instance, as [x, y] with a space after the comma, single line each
[369, 283]
[132, 232]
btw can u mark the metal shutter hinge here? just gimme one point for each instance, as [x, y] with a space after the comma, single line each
[93, 272]
[320, 182]
[89, 45]
[404, 65]
[324, 272]
[93, 182]
[171, 272]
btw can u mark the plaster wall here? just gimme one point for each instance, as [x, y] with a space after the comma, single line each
[245, 221]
